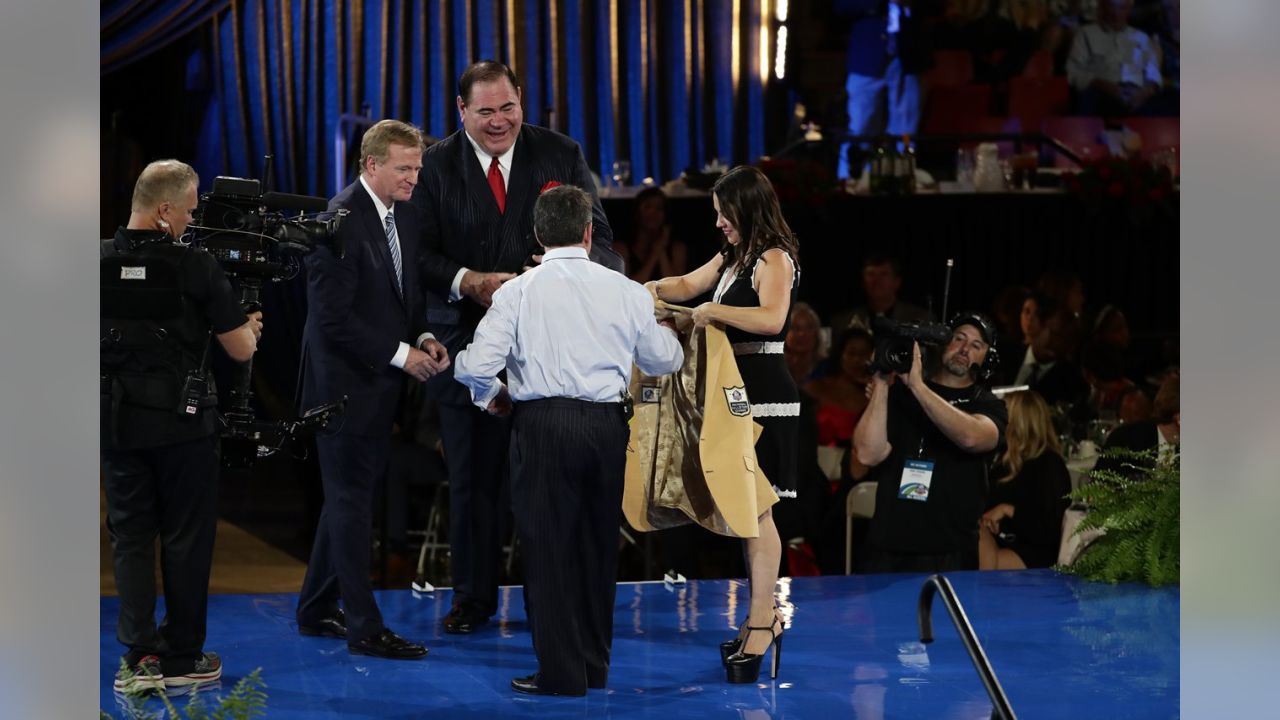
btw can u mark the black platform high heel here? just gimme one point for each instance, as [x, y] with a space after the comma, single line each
[730, 647]
[743, 667]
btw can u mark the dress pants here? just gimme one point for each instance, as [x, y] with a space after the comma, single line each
[170, 492]
[866, 114]
[475, 450]
[350, 467]
[567, 464]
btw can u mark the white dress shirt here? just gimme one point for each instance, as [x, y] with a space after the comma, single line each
[402, 351]
[1027, 372]
[1123, 57]
[568, 328]
[504, 165]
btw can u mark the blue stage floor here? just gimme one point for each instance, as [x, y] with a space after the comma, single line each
[1062, 648]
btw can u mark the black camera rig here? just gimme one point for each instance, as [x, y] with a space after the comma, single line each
[256, 238]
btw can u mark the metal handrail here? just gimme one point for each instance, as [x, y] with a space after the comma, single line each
[1018, 139]
[940, 585]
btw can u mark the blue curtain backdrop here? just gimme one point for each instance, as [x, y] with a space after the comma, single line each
[666, 84]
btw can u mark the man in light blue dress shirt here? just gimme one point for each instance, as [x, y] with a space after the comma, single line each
[567, 332]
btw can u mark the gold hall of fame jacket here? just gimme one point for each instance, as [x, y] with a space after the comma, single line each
[691, 457]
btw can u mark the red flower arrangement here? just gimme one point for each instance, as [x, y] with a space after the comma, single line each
[550, 184]
[1116, 179]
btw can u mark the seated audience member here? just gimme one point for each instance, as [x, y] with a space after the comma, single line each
[1161, 433]
[1055, 374]
[842, 394]
[804, 347]
[1047, 365]
[1111, 328]
[1103, 368]
[1114, 68]
[1135, 406]
[881, 280]
[1035, 308]
[653, 253]
[1006, 35]
[1023, 523]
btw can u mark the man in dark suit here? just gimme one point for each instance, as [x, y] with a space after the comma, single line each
[1162, 434]
[363, 313]
[475, 199]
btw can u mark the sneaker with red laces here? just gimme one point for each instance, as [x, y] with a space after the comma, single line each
[143, 676]
[207, 669]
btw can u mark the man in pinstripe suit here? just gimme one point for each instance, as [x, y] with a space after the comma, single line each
[475, 199]
[569, 441]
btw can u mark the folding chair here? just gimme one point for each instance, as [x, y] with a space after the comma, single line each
[861, 504]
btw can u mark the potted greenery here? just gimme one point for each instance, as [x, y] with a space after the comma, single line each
[1136, 509]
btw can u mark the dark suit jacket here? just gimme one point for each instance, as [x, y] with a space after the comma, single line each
[869, 37]
[1137, 436]
[356, 319]
[1062, 383]
[461, 225]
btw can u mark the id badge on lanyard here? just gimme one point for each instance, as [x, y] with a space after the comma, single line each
[917, 475]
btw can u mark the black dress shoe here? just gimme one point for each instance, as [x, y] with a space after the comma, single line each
[462, 620]
[334, 626]
[387, 644]
[529, 686]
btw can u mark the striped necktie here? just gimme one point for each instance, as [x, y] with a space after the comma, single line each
[393, 243]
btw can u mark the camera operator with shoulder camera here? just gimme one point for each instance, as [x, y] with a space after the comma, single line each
[930, 442]
[162, 303]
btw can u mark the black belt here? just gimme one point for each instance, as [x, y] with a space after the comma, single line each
[569, 403]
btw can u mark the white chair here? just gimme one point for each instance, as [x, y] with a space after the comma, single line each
[832, 461]
[861, 504]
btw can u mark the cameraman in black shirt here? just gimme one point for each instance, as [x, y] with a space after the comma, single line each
[162, 302]
[931, 442]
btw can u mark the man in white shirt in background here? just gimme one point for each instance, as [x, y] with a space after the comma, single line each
[567, 333]
[1114, 68]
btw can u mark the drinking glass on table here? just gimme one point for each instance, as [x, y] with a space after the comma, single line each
[621, 173]
[964, 168]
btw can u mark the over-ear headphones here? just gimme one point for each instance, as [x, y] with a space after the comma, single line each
[987, 328]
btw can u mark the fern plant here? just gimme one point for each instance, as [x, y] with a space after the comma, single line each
[1136, 507]
[246, 700]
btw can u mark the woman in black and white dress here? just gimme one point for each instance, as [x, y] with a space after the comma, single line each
[755, 277]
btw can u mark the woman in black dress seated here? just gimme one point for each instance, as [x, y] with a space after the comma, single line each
[1023, 525]
[754, 276]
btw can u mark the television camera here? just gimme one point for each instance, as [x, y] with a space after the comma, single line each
[256, 238]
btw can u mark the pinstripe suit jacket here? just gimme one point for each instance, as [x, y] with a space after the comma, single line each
[461, 225]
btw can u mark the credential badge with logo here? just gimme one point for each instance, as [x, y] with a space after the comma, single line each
[650, 394]
[737, 398]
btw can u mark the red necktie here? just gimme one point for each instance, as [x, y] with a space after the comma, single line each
[495, 184]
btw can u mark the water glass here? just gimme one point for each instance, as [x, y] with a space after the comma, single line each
[964, 168]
